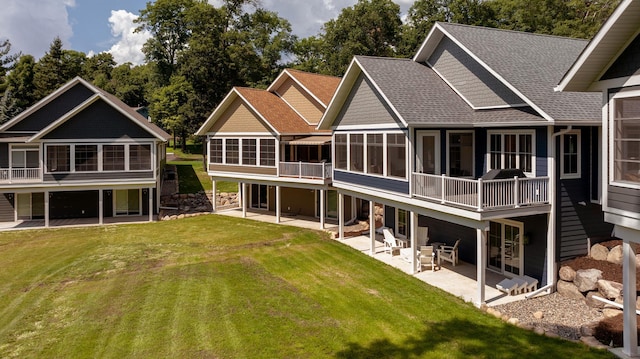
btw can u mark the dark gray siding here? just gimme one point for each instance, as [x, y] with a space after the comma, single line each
[6, 207]
[49, 177]
[389, 216]
[577, 217]
[380, 183]
[54, 109]
[626, 199]
[448, 233]
[364, 106]
[73, 204]
[4, 155]
[627, 64]
[541, 152]
[99, 120]
[467, 76]
[535, 251]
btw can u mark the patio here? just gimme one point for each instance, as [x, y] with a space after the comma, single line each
[70, 222]
[459, 280]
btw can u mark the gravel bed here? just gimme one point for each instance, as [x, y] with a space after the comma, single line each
[561, 315]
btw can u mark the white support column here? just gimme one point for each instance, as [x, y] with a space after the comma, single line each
[414, 240]
[101, 206]
[46, 208]
[630, 329]
[372, 228]
[278, 203]
[341, 216]
[244, 199]
[481, 264]
[322, 210]
[150, 204]
[240, 194]
[214, 197]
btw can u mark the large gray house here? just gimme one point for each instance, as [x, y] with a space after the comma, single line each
[79, 153]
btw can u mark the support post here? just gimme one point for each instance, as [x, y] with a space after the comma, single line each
[516, 191]
[479, 194]
[481, 264]
[372, 228]
[414, 241]
[630, 329]
[278, 204]
[341, 216]
[101, 206]
[150, 204]
[46, 207]
[214, 197]
[322, 209]
[244, 199]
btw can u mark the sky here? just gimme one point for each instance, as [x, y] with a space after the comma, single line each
[94, 26]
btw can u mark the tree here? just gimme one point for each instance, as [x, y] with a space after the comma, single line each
[420, 18]
[97, 69]
[20, 82]
[6, 61]
[309, 55]
[56, 67]
[170, 107]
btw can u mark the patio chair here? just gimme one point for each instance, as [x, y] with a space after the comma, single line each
[390, 243]
[427, 258]
[422, 236]
[449, 253]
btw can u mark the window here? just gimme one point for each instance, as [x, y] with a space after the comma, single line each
[626, 140]
[267, 152]
[25, 157]
[511, 150]
[375, 153]
[570, 158]
[86, 158]
[59, 158]
[396, 155]
[460, 154]
[113, 158]
[340, 143]
[401, 227]
[232, 153]
[249, 151]
[356, 154]
[215, 150]
[139, 157]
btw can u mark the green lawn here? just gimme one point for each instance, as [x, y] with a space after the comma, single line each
[191, 172]
[219, 287]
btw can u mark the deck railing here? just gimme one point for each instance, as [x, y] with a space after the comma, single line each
[306, 170]
[19, 175]
[481, 194]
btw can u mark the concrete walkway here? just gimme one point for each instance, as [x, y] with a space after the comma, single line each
[459, 280]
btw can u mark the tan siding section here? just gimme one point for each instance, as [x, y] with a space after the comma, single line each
[363, 107]
[239, 118]
[301, 101]
[244, 169]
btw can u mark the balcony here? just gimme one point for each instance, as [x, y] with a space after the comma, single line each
[481, 195]
[20, 175]
[305, 170]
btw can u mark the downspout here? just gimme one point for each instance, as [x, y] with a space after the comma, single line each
[551, 231]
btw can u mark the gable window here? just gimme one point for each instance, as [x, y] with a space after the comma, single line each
[340, 143]
[232, 154]
[512, 150]
[215, 150]
[86, 158]
[375, 153]
[249, 151]
[396, 155]
[570, 157]
[113, 158]
[356, 152]
[139, 157]
[59, 158]
[625, 151]
[267, 152]
[460, 156]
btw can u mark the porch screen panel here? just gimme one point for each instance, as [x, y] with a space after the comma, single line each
[113, 158]
[139, 157]
[267, 152]
[59, 158]
[356, 148]
[525, 152]
[86, 158]
[249, 151]
[396, 155]
[232, 153]
[340, 143]
[375, 153]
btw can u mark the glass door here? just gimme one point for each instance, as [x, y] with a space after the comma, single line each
[259, 196]
[504, 252]
[127, 202]
[428, 151]
[24, 205]
[494, 242]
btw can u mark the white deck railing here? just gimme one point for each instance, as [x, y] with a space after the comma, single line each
[482, 194]
[305, 170]
[19, 175]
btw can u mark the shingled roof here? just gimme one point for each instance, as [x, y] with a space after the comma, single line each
[321, 86]
[531, 64]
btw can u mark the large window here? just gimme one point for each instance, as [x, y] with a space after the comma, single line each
[626, 140]
[570, 157]
[139, 157]
[59, 158]
[340, 144]
[215, 150]
[113, 158]
[267, 152]
[396, 155]
[25, 157]
[86, 158]
[356, 152]
[232, 153]
[375, 153]
[249, 151]
[511, 150]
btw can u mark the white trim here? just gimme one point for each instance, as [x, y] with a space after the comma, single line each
[240, 134]
[369, 127]
[578, 173]
[473, 146]
[517, 132]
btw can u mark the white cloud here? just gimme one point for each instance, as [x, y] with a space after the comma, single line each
[128, 47]
[31, 26]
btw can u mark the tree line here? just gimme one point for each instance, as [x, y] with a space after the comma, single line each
[198, 51]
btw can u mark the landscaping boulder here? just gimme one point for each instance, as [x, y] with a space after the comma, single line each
[567, 273]
[615, 255]
[586, 279]
[599, 252]
[592, 302]
[611, 312]
[569, 290]
[608, 289]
